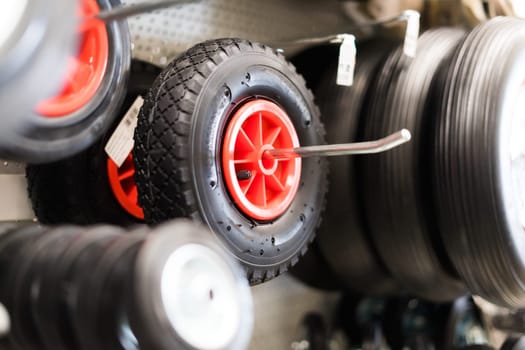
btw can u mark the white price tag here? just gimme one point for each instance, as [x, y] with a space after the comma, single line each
[347, 58]
[120, 144]
[412, 33]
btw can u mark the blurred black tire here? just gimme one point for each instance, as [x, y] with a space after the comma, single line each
[314, 271]
[478, 161]
[396, 184]
[37, 139]
[342, 237]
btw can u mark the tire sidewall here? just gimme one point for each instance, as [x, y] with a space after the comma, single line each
[42, 139]
[242, 77]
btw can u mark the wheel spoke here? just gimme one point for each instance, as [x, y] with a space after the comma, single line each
[260, 129]
[126, 174]
[131, 191]
[257, 191]
[272, 137]
[242, 161]
[250, 182]
[275, 183]
[263, 182]
[246, 140]
[87, 25]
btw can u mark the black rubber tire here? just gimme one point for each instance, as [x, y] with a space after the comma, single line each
[51, 311]
[314, 271]
[12, 240]
[76, 190]
[343, 238]
[177, 142]
[97, 315]
[479, 206]
[25, 280]
[396, 184]
[38, 139]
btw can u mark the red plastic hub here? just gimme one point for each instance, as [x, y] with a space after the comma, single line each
[86, 70]
[122, 183]
[262, 187]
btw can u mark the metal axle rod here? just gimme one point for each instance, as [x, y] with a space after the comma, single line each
[367, 147]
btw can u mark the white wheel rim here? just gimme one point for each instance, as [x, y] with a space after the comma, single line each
[10, 17]
[517, 155]
[201, 297]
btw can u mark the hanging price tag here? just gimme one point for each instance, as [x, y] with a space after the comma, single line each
[412, 33]
[121, 143]
[347, 59]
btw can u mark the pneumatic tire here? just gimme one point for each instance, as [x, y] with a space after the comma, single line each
[180, 150]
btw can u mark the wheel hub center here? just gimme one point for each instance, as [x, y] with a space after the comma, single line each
[267, 164]
[261, 186]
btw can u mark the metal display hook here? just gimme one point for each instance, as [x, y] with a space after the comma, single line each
[368, 147]
[125, 11]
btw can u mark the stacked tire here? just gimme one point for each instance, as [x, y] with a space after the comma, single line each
[101, 287]
[442, 215]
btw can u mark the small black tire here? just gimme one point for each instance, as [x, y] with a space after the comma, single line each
[343, 238]
[96, 314]
[396, 185]
[77, 190]
[177, 150]
[26, 272]
[37, 139]
[478, 161]
[52, 314]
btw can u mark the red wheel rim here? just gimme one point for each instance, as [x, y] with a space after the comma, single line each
[262, 187]
[86, 70]
[122, 183]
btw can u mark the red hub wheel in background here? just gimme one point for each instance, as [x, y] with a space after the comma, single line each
[122, 183]
[262, 187]
[86, 70]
